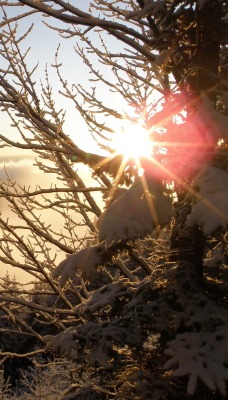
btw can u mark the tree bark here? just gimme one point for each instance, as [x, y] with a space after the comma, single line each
[205, 61]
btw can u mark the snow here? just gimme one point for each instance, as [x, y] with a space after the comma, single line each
[98, 337]
[211, 210]
[201, 351]
[63, 343]
[201, 355]
[198, 136]
[217, 256]
[86, 259]
[151, 7]
[134, 214]
[163, 58]
[105, 296]
[216, 123]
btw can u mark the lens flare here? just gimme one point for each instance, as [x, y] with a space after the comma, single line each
[132, 141]
[180, 140]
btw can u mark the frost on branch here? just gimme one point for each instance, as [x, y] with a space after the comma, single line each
[136, 213]
[211, 211]
[86, 259]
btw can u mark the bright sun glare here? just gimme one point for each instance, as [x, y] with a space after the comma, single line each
[133, 141]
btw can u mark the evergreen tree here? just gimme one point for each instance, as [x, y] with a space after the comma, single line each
[140, 302]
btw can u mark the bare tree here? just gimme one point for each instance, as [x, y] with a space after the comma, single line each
[138, 274]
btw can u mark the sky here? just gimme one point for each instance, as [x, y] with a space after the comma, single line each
[21, 170]
[19, 163]
[43, 43]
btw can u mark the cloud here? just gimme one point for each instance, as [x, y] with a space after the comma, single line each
[22, 172]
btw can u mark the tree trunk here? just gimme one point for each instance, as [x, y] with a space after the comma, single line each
[204, 36]
[205, 61]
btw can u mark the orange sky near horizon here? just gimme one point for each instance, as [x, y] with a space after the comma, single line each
[43, 43]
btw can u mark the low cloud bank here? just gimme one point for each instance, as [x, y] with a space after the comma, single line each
[23, 173]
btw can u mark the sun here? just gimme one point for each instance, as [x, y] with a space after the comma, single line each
[133, 141]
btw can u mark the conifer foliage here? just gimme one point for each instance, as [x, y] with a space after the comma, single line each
[126, 253]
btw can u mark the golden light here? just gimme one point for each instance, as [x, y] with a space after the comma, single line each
[133, 141]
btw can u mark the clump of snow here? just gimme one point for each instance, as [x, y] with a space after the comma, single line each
[215, 122]
[105, 296]
[86, 259]
[64, 343]
[151, 7]
[96, 339]
[211, 210]
[201, 355]
[163, 58]
[216, 257]
[136, 213]
[197, 138]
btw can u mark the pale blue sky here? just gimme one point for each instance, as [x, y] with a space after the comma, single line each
[44, 42]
